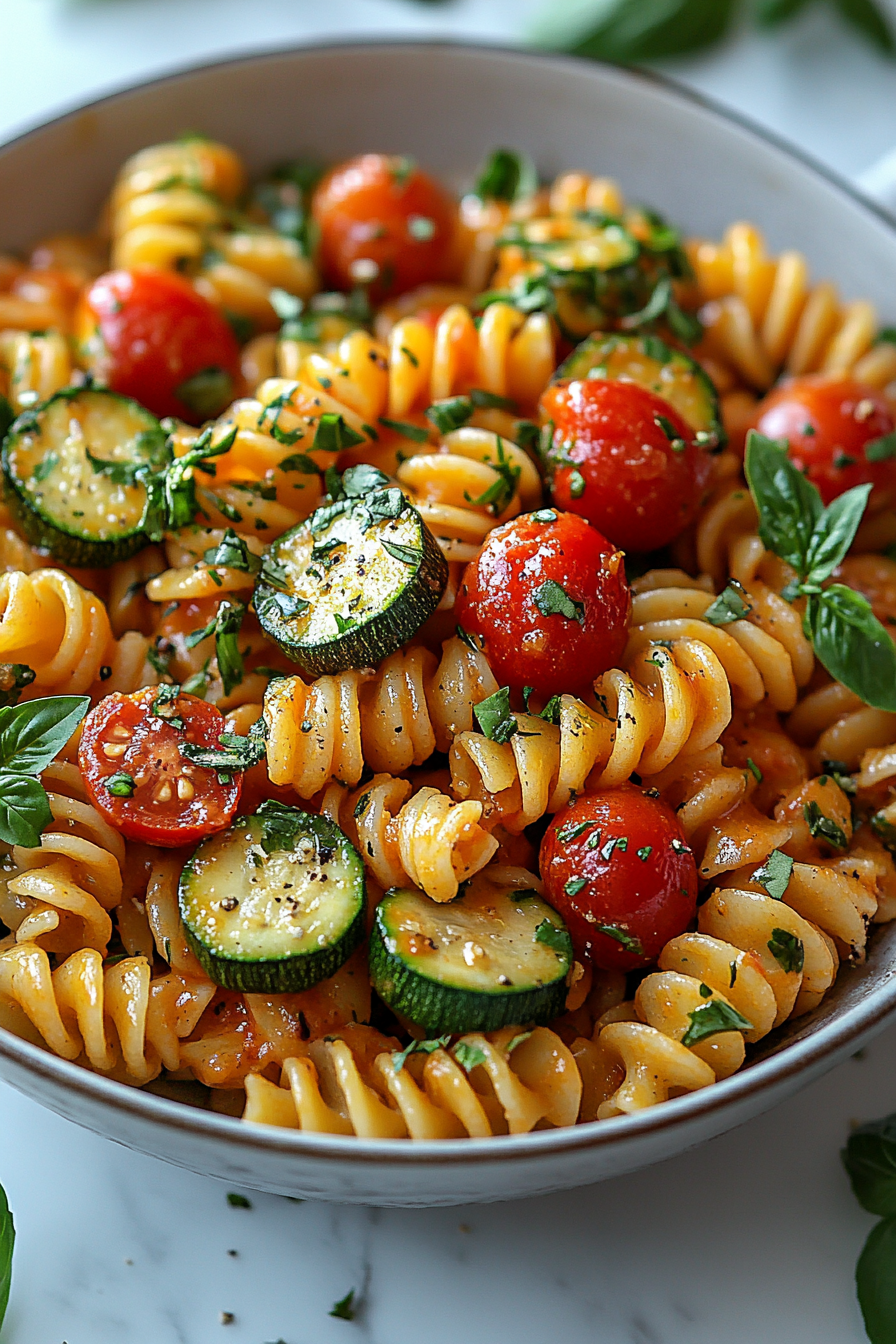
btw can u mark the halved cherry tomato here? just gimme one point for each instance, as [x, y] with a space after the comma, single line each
[829, 424]
[623, 458]
[548, 599]
[385, 222]
[135, 774]
[616, 866]
[149, 335]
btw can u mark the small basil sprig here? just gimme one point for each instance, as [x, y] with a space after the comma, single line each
[7, 1244]
[31, 735]
[847, 637]
[171, 493]
[870, 1161]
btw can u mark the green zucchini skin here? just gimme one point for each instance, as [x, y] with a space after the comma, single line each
[247, 855]
[392, 617]
[36, 440]
[433, 997]
[657, 367]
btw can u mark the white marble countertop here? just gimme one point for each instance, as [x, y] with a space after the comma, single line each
[753, 1237]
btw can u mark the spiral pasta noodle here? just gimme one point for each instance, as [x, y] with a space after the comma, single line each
[763, 314]
[665, 703]
[349, 1085]
[34, 365]
[173, 207]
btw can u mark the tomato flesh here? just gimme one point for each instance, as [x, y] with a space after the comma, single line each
[385, 223]
[513, 595]
[828, 424]
[617, 868]
[172, 802]
[623, 458]
[148, 333]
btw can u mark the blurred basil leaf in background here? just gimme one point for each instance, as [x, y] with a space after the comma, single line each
[631, 31]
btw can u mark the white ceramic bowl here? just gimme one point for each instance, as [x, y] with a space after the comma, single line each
[448, 106]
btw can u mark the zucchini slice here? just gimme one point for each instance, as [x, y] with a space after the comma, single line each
[71, 468]
[352, 584]
[488, 959]
[274, 904]
[576, 243]
[652, 364]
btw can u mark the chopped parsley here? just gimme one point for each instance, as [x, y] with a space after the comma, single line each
[824, 828]
[495, 718]
[774, 874]
[551, 599]
[711, 1018]
[787, 949]
[728, 606]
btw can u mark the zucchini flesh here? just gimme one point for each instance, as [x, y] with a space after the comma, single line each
[351, 585]
[652, 364]
[489, 959]
[70, 469]
[274, 904]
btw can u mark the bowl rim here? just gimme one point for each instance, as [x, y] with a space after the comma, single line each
[831, 1038]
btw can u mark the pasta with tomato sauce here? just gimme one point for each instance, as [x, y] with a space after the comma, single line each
[427, 722]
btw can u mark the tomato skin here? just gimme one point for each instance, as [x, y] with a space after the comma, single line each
[366, 208]
[637, 490]
[145, 332]
[153, 747]
[841, 417]
[554, 653]
[651, 899]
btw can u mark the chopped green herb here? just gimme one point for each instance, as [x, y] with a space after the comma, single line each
[552, 600]
[468, 1056]
[729, 606]
[711, 1018]
[567, 833]
[625, 939]
[824, 828]
[495, 718]
[408, 555]
[418, 1047]
[344, 1309]
[787, 949]
[416, 433]
[556, 939]
[237, 1201]
[774, 874]
[333, 434]
[645, 852]
[574, 885]
[450, 414]
[576, 484]
[121, 785]
[754, 770]
[878, 450]
[705, 992]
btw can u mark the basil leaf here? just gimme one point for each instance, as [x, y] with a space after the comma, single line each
[787, 950]
[495, 718]
[235, 753]
[552, 600]
[206, 393]
[771, 12]
[834, 532]
[774, 874]
[647, 30]
[418, 1047]
[7, 1243]
[333, 434]
[344, 1309]
[32, 734]
[119, 473]
[233, 553]
[711, 1018]
[879, 450]
[24, 809]
[789, 506]
[876, 1282]
[407, 430]
[852, 644]
[869, 19]
[626, 940]
[506, 176]
[729, 606]
[870, 1161]
[300, 462]
[408, 555]
[227, 628]
[468, 1056]
[824, 828]
[557, 939]
[450, 414]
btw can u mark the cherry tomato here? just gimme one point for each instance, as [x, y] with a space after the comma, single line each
[623, 458]
[149, 335]
[828, 423]
[136, 776]
[548, 599]
[616, 867]
[384, 221]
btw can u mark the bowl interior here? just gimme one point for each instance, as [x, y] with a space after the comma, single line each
[449, 106]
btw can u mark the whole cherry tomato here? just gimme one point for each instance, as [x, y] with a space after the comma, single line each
[623, 458]
[136, 776]
[385, 223]
[830, 425]
[616, 867]
[149, 335]
[548, 599]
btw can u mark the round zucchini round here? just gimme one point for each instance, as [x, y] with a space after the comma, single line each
[352, 584]
[72, 469]
[486, 960]
[274, 904]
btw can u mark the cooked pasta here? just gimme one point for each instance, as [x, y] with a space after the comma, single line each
[400, 811]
